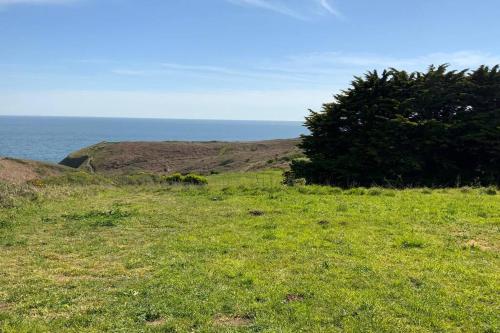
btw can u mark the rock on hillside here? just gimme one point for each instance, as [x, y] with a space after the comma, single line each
[184, 157]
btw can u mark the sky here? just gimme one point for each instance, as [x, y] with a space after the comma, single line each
[223, 59]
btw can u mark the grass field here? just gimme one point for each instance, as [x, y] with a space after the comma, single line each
[245, 254]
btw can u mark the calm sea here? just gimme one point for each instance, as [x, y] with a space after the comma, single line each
[52, 138]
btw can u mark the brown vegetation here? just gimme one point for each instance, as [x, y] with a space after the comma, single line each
[20, 171]
[184, 157]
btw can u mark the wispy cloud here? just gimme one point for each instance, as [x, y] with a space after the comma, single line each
[214, 72]
[331, 62]
[326, 5]
[298, 9]
[306, 71]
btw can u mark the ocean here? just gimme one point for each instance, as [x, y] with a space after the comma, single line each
[51, 139]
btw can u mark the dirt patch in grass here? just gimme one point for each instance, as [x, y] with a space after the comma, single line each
[291, 298]
[256, 213]
[234, 321]
[480, 245]
[156, 322]
[5, 306]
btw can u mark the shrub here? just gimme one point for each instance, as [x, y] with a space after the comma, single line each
[174, 179]
[300, 182]
[289, 179]
[195, 180]
[438, 128]
[190, 179]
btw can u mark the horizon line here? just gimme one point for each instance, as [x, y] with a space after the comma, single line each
[153, 118]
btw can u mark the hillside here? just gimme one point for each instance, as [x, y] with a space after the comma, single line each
[20, 171]
[184, 157]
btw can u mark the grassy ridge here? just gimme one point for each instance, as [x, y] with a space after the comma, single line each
[184, 157]
[245, 254]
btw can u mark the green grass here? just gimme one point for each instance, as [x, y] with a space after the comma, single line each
[245, 254]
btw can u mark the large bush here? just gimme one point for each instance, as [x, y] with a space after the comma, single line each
[438, 128]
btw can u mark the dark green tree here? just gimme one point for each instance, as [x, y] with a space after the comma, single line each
[438, 128]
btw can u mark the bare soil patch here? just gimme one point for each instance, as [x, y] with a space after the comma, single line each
[479, 244]
[156, 322]
[5, 306]
[234, 321]
[290, 298]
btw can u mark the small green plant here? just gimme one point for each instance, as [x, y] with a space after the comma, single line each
[97, 218]
[375, 191]
[5, 224]
[411, 242]
[356, 191]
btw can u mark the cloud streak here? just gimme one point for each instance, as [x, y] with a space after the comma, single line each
[302, 10]
[329, 8]
[331, 62]
[214, 72]
[315, 68]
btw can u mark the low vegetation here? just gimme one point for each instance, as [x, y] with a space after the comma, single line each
[139, 178]
[245, 253]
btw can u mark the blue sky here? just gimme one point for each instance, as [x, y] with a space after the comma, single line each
[223, 59]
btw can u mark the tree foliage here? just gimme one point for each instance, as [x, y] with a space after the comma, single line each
[437, 128]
